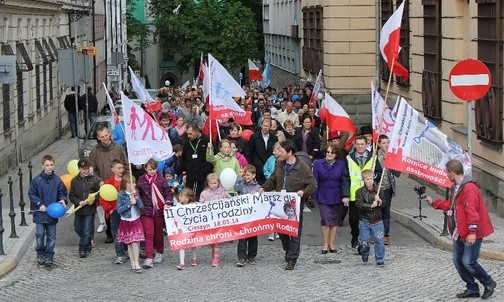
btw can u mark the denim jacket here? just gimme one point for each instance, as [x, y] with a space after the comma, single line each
[124, 204]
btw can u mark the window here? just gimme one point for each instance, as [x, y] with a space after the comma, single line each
[23, 59]
[51, 56]
[20, 98]
[489, 108]
[386, 12]
[54, 48]
[6, 50]
[404, 43]
[431, 76]
[42, 56]
[312, 39]
[38, 93]
[44, 84]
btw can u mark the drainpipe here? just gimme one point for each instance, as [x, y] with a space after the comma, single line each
[377, 44]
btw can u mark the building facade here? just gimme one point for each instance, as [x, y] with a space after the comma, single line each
[340, 37]
[32, 113]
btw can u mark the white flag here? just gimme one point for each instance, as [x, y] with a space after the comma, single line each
[139, 88]
[145, 138]
[223, 88]
[383, 118]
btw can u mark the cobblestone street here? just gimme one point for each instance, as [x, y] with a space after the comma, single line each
[414, 271]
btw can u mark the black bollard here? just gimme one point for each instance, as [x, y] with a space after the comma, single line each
[1, 225]
[30, 169]
[22, 204]
[12, 214]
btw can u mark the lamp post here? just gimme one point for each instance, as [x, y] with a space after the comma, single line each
[74, 17]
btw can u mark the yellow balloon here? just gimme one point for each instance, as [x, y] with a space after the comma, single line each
[72, 167]
[108, 192]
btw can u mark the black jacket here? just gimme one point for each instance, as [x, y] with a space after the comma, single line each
[312, 142]
[259, 153]
[70, 102]
[363, 200]
[92, 102]
[197, 168]
[80, 188]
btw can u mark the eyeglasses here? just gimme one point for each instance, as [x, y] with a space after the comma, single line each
[330, 152]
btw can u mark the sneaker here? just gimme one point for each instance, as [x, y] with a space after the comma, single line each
[158, 258]
[290, 266]
[365, 258]
[241, 263]
[40, 260]
[215, 262]
[119, 260]
[380, 264]
[49, 263]
[277, 236]
[101, 228]
[148, 263]
[194, 262]
[251, 261]
[489, 290]
[386, 240]
[109, 240]
[271, 237]
[83, 254]
[138, 270]
[181, 267]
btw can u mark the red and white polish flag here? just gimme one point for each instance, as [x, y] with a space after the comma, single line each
[254, 73]
[389, 42]
[337, 119]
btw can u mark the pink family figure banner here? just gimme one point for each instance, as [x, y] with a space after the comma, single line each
[222, 90]
[232, 218]
[383, 116]
[145, 139]
[419, 148]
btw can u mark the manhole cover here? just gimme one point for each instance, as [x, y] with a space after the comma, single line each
[327, 261]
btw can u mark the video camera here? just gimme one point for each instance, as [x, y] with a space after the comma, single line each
[420, 190]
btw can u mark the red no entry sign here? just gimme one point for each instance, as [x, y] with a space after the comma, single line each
[469, 80]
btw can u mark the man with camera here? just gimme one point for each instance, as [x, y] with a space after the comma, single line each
[468, 223]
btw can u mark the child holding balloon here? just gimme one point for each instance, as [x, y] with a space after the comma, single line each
[48, 197]
[213, 191]
[109, 205]
[130, 228]
[224, 159]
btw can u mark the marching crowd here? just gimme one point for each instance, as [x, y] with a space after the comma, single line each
[286, 147]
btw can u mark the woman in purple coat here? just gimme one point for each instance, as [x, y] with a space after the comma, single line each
[328, 172]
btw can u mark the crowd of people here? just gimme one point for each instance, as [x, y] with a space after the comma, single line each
[290, 149]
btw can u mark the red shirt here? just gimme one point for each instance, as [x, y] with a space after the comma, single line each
[109, 206]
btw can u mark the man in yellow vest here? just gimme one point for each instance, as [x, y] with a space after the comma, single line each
[358, 160]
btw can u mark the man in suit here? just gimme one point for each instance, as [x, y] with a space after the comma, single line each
[261, 148]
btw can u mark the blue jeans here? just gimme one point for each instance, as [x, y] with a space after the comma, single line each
[84, 227]
[115, 219]
[367, 229]
[45, 247]
[465, 258]
[73, 123]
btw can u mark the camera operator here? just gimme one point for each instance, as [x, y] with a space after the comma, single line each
[468, 223]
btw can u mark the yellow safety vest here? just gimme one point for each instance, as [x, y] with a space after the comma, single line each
[356, 175]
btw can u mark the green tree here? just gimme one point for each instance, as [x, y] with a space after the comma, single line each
[226, 29]
[137, 32]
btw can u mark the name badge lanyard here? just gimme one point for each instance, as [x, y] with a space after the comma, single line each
[285, 175]
[195, 149]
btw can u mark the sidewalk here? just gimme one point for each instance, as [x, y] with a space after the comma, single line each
[404, 207]
[63, 151]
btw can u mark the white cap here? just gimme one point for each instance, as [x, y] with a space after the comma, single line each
[167, 83]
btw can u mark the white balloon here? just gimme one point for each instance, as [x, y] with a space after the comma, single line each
[228, 178]
[167, 83]
[320, 96]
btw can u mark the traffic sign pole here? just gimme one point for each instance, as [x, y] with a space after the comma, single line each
[470, 80]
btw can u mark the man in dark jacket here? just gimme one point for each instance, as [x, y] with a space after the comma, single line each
[193, 161]
[292, 175]
[92, 107]
[261, 148]
[469, 223]
[72, 111]
[82, 186]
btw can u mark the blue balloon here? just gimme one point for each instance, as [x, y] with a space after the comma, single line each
[56, 210]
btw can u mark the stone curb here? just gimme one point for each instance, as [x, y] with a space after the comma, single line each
[432, 236]
[18, 250]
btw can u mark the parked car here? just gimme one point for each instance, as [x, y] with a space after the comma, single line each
[90, 141]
